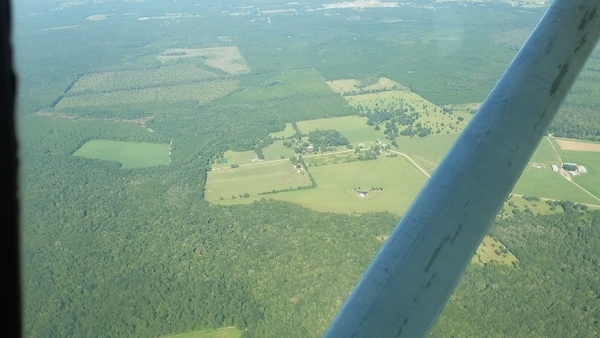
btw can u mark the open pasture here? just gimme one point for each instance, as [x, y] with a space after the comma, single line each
[591, 180]
[428, 151]
[235, 157]
[132, 79]
[338, 186]
[224, 332]
[431, 115]
[354, 128]
[327, 159]
[347, 87]
[195, 93]
[517, 202]
[300, 82]
[277, 150]
[344, 86]
[491, 250]
[545, 153]
[232, 184]
[543, 182]
[285, 133]
[228, 59]
[129, 154]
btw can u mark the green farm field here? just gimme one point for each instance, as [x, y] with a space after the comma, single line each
[225, 332]
[285, 133]
[591, 161]
[428, 151]
[129, 154]
[337, 186]
[252, 179]
[431, 115]
[543, 182]
[276, 150]
[305, 82]
[235, 157]
[354, 128]
[545, 153]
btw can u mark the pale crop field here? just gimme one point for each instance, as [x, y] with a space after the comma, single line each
[228, 59]
[129, 154]
[578, 145]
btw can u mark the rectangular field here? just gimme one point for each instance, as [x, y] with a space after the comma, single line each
[291, 83]
[122, 80]
[235, 157]
[543, 182]
[129, 154]
[199, 93]
[591, 160]
[228, 59]
[431, 115]
[252, 179]
[338, 186]
[354, 128]
[578, 145]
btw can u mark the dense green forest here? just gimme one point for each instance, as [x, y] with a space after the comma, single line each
[117, 252]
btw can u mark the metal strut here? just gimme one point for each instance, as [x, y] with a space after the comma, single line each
[408, 283]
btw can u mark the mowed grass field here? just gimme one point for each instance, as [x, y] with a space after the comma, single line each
[545, 153]
[354, 128]
[543, 182]
[428, 151]
[129, 154]
[252, 179]
[226, 332]
[337, 185]
[591, 161]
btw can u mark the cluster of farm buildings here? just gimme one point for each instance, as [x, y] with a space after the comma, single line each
[572, 168]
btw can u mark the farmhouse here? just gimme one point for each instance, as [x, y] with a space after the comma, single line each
[554, 167]
[362, 194]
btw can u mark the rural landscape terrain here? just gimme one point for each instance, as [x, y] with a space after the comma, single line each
[229, 169]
